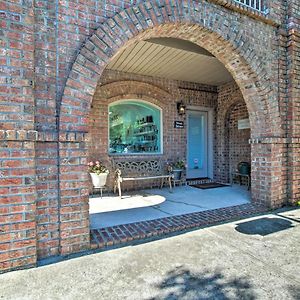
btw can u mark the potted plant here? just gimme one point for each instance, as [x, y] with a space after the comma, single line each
[177, 169]
[98, 173]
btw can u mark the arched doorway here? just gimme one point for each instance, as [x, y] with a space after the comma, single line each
[114, 36]
[237, 138]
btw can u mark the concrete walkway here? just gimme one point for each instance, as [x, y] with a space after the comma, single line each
[257, 258]
[160, 203]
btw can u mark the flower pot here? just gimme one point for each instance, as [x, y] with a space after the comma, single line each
[177, 174]
[99, 181]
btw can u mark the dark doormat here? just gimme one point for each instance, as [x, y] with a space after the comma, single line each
[197, 178]
[209, 185]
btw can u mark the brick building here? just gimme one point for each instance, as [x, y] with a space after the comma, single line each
[57, 81]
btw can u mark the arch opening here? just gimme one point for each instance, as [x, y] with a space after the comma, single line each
[105, 45]
[162, 73]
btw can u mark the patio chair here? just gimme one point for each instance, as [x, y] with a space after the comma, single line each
[243, 171]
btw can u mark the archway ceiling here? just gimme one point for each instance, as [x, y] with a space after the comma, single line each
[172, 59]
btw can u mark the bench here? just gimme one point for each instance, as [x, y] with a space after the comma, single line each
[140, 170]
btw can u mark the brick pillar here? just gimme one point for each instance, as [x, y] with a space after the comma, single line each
[293, 98]
[268, 171]
[17, 199]
[17, 137]
[74, 194]
[47, 205]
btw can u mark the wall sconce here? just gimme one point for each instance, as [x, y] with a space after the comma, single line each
[181, 108]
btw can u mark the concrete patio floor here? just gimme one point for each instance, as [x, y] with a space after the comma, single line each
[255, 258]
[160, 203]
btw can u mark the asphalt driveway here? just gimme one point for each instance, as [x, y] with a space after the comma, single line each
[257, 258]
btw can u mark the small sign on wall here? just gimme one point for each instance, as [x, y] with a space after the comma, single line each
[243, 124]
[178, 124]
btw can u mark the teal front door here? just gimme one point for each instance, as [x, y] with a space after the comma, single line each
[197, 144]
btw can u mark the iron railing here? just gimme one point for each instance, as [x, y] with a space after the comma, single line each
[254, 4]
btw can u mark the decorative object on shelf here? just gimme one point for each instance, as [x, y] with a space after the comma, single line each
[98, 174]
[146, 135]
[181, 108]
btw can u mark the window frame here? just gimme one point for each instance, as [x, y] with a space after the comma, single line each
[161, 150]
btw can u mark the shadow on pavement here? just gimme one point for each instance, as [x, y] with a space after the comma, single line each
[183, 284]
[295, 292]
[264, 226]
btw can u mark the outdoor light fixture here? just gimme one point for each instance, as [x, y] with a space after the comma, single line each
[181, 108]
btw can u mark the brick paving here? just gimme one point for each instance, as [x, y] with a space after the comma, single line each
[122, 234]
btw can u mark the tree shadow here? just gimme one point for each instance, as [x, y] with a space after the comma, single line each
[264, 226]
[294, 292]
[183, 284]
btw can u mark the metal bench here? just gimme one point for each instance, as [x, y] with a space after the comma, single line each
[140, 170]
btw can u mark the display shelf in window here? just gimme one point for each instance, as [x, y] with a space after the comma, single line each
[115, 124]
[134, 128]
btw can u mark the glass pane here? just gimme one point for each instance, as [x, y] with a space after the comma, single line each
[196, 142]
[134, 127]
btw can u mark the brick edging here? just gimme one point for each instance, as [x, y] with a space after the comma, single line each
[122, 234]
[70, 136]
[275, 140]
[18, 135]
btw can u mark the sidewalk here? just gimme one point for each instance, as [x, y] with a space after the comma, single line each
[154, 204]
[257, 258]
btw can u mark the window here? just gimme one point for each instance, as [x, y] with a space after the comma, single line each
[254, 4]
[134, 128]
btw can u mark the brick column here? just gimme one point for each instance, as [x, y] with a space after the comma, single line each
[47, 205]
[293, 98]
[74, 193]
[17, 137]
[268, 171]
[17, 199]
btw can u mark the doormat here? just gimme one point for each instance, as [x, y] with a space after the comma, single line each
[198, 178]
[209, 185]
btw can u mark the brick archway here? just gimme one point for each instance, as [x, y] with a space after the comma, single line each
[149, 20]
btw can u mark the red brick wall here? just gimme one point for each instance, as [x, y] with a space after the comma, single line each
[238, 141]
[268, 156]
[161, 92]
[292, 97]
[166, 93]
[47, 199]
[52, 56]
[254, 68]
[17, 137]
[227, 137]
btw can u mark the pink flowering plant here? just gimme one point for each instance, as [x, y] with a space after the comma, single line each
[97, 167]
